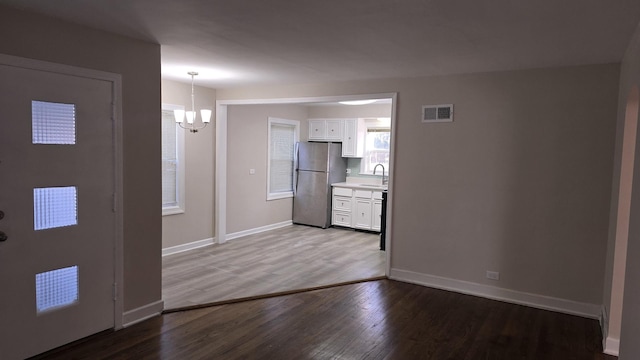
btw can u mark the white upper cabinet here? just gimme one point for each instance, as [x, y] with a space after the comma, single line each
[353, 138]
[334, 130]
[325, 130]
[351, 132]
[317, 129]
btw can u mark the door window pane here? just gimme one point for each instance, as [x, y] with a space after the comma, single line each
[53, 123]
[55, 207]
[56, 288]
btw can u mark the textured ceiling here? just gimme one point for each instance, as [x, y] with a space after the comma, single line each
[241, 42]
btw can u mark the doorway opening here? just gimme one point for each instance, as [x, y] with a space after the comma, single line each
[229, 173]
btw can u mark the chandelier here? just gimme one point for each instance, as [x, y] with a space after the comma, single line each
[205, 114]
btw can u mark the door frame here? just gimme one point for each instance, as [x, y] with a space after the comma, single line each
[116, 95]
[221, 120]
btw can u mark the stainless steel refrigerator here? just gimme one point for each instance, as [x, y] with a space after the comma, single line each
[317, 166]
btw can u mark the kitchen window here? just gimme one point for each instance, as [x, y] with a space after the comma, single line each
[283, 135]
[376, 150]
[173, 192]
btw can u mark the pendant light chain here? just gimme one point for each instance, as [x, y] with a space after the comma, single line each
[193, 96]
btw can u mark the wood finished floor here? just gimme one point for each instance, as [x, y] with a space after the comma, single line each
[381, 319]
[289, 258]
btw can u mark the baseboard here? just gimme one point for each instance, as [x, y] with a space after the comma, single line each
[188, 246]
[517, 297]
[259, 229]
[142, 313]
[604, 326]
[612, 346]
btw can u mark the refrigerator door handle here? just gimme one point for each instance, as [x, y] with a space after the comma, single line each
[295, 169]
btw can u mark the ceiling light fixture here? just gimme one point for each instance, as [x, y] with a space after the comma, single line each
[205, 114]
[357, 102]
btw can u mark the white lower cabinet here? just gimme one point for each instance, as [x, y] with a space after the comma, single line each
[377, 217]
[341, 203]
[341, 218]
[362, 218]
[356, 208]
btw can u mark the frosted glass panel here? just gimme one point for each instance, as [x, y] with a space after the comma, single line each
[55, 207]
[56, 288]
[53, 123]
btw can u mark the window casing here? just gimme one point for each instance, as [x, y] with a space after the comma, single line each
[282, 137]
[173, 174]
[376, 150]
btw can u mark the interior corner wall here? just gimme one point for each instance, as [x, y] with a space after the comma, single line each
[619, 218]
[629, 345]
[197, 222]
[38, 37]
[519, 182]
[247, 204]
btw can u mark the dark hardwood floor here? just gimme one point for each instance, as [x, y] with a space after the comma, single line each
[373, 320]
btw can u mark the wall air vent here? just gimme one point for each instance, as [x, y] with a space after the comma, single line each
[437, 113]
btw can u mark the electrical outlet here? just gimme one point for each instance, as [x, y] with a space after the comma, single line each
[493, 275]
[252, 171]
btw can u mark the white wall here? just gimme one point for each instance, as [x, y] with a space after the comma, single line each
[197, 222]
[247, 205]
[519, 183]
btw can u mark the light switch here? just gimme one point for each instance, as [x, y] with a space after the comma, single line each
[252, 171]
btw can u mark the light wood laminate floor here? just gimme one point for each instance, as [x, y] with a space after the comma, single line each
[289, 258]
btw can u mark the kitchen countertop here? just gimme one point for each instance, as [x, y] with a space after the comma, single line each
[361, 186]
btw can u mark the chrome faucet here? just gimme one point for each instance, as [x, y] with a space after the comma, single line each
[374, 172]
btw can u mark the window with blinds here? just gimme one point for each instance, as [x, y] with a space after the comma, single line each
[283, 135]
[172, 162]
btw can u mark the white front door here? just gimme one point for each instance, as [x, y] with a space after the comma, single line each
[57, 226]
